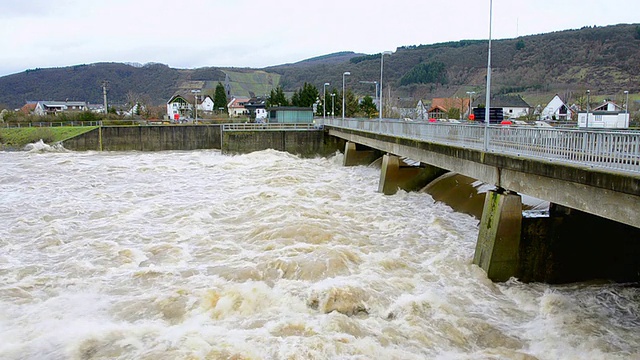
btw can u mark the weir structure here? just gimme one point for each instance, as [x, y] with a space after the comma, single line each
[591, 178]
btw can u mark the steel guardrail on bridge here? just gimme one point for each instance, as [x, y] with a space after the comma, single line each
[610, 150]
[270, 126]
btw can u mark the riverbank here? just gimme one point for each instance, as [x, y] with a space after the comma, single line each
[18, 138]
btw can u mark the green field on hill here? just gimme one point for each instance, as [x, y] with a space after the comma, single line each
[258, 83]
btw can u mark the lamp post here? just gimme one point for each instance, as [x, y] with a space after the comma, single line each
[195, 104]
[487, 110]
[626, 103]
[343, 75]
[382, 54]
[470, 93]
[333, 105]
[324, 100]
[588, 110]
[372, 82]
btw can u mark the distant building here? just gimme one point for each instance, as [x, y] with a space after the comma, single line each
[556, 110]
[96, 108]
[256, 107]
[609, 115]
[513, 106]
[181, 105]
[608, 106]
[236, 107]
[290, 115]
[440, 107]
[54, 107]
[421, 111]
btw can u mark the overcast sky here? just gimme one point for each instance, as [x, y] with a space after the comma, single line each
[252, 33]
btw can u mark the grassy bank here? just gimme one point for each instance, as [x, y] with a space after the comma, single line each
[19, 137]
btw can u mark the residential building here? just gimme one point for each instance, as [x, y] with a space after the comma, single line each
[256, 106]
[608, 115]
[421, 111]
[608, 105]
[557, 110]
[55, 107]
[440, 107]
[236, 107]
[205, 104]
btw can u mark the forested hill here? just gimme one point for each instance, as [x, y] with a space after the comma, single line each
[602, 59]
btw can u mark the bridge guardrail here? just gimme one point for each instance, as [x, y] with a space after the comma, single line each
[612, 150]
[270, 126]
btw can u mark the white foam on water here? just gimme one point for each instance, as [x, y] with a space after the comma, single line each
[182, 255]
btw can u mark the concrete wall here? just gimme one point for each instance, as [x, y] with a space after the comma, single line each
[577, 246]
[147, 138]
[304, 143]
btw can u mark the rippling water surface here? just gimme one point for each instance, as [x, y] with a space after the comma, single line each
[196, 255]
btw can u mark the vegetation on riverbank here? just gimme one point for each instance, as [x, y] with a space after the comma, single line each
[17, 138]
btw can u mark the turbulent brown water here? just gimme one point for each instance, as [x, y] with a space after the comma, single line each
[197, 255]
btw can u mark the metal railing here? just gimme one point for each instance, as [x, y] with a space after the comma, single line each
[269, 127]
[611, 150]
[50, 124]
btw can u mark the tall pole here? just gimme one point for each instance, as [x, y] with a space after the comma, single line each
[470, 101]
[104, 94]
[382, 54]
[324, 101]
[343, 104]
[195, 104]
[588, 110]
[626, 103]
[333, 105]
[487, 110]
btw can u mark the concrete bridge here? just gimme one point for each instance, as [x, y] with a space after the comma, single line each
[595, 172]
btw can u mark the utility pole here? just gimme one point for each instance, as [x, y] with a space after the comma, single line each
[105, 83]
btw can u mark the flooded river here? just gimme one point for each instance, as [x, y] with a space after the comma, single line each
[198, 255]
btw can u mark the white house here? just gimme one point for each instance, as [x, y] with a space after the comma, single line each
[54, 107]
[236, 106]
[421, 111]
[608, 106]
[556, 110]
[604, 119]
[179, 106]
[609, 115]
[205, 103]
[513, 106]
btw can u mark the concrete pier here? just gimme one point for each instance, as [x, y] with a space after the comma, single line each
[498, 246]
[356, 154]
[396, 174]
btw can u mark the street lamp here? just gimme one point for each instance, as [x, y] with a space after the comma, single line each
[588, 93]
[333, 105]
[324, 100]
[487, 110]
[195, 103]
[343, 75]
[626, 103]
[470, 93]
[382, 54]
[372, 82]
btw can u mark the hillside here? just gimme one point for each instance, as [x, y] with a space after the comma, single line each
[602, 59]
